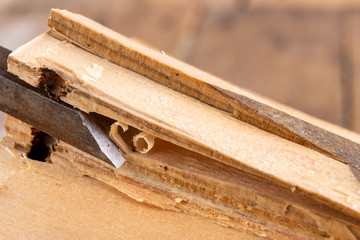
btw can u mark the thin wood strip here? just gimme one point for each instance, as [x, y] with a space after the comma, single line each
[239, 197]
[195, 83]
[211, 191]
[135, 100]
[46, 201]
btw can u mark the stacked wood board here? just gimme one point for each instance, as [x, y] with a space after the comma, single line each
[188, 154]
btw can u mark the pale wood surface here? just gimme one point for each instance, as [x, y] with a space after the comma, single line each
[163, 68]
[42, 200]
[195, 83]
[174, 179]
[186, 122]
[180, 28]
[171, 116]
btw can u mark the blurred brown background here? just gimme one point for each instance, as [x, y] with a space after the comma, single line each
[301, 53]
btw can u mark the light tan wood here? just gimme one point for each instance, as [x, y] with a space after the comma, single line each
[161, 67]
[143, 142]
[202, 86]
[116, 134]
[136, 100]
[18, 135]
[42, 200]
[242, 202]
[186, 122]
[204, 162]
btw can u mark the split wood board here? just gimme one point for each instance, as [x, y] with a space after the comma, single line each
[175, 179]
[95, 85]
[202, 86]
[41, 200]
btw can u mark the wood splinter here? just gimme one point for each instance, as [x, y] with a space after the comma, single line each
[205, 163]
[202, 86]
[128, 139]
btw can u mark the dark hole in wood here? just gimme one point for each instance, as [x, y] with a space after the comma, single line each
[52, 83]
[41, 146]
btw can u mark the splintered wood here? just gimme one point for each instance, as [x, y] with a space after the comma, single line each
[46, 201]
[202, 86]
[184, 155]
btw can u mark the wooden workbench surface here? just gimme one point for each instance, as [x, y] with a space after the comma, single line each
[40, 200]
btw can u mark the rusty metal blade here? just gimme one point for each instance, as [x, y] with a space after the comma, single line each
[59, 120]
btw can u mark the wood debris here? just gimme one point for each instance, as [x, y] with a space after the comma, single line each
[194, 158]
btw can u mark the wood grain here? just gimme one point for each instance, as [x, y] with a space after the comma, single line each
[204, 87]
[205, 162]
[48, 200]
[177, 180]
[186, 122]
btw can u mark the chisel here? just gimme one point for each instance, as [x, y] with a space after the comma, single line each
[59, 120]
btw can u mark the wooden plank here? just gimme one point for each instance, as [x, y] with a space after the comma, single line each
[197, 84]
[174, 179]
[18, 135]
[42, 200]
[142, 103]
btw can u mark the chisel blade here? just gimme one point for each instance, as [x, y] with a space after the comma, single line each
[31, 105]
